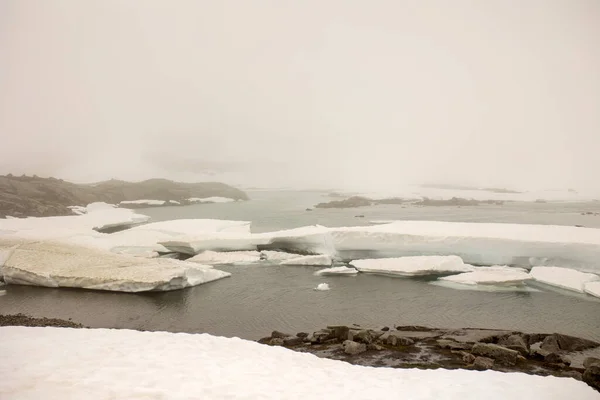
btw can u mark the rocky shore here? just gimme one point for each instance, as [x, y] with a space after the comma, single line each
[430, 348]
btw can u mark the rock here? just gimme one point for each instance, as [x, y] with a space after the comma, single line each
[468, 358]
[572, 374]
[589, 361]
[515, 342]
[483, 363]
[374, 346]
[496, 352]
[293, 341]
[322, 336]
[264, 340]
[280, 335]
[550, 344]
[556, 358]
[376, 334]
[392, 340]
[567, 343]
[535, 338]
[276, 342]
[302, 335]
[352, 348]
[454, 345]
[385, 328]
[363, 336]
[591, 376]
[339, 332]
[404, 341]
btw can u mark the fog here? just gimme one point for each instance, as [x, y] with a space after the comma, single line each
[335, 93]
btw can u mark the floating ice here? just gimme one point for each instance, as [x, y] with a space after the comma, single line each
[592, 288]
[308, 260]
[63, 363]
[214, 199]
[305, 240]
[143, 201]
[61, 265]
[496, 275]
[412, 266]
[230, 257]
[174, 202]
[322, 287]
[564, 278]
[337, 271]
[276, 256]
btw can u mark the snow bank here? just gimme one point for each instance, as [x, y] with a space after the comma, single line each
[143, 201]
[61, 363]
[477, 243]
[592, 288]
[309, 260]
[563, 278]
[337, 271]
[231, 257]
[55, 264]
[496, 275]
[412, 266]
[214, 199]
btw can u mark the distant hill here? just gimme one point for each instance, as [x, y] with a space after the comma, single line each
[22, 196]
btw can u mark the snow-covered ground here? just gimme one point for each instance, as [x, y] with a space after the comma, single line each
[412, 266]
[61, 363]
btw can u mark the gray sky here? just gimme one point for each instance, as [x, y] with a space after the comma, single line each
[307, 93]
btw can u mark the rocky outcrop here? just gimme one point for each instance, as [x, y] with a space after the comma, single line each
[40, 197]
[496, 352]
[352, 202]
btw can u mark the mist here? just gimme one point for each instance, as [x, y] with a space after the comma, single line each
[337, 93]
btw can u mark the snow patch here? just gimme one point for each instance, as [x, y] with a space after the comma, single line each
[412, 266]
[564, 278]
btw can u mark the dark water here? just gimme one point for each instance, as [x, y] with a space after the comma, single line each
[259, 299]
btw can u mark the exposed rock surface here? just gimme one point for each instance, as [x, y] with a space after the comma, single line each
[24, 320]
[42, 197]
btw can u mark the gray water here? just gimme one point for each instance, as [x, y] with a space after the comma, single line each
[259, 299]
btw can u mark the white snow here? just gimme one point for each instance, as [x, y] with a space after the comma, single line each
[318, 260]
[55, 264]
[563, 278]
[496, 275]
[64, 363]
[478, 243]
[143, 201]
[337, 271]
[230, 257]
[214, 199]
[592, 288]
[322, 287]
[412, 266]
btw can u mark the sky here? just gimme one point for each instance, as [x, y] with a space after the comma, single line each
[328, 93]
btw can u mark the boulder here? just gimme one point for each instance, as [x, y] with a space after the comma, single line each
[293, 341]
[352, 348]
[404, 341]
[454, 345]
[483, 363]
[557, 342]
[515, 342]
[363, 336]
[468, 358]
[556, 358]
[322, 336]
[572, 374]
[276, 342]
[496, 352]
[589, 361]
[385, 328]
[374, 346]
[550, 344]
[339, 332]
[280, 335]
[302, 335]
[392, 340]
[591, 376]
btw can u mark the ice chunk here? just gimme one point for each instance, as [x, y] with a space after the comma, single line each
[305, 240]
[592, 288]
[496, 275]
[231, 257]
[322, 287]
[217, 241]
[413, 266]
[143, 202]
[308, 260]
[214, 199]
[56, 264]
[484, 288]
[174, 202]
[64, 363]
[337, 271]
[564, 278]
[476, 243]
[275, 256]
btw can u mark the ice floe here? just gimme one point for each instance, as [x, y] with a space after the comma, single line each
[277, 256]
[230, 257]
[322, 287]
[563, 278]
[592, 288]
[54, 264]
[495, 275]
[343, 270]
[311, 240]
[64, 363]
[318, 260]
[412, 266]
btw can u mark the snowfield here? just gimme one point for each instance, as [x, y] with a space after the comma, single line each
[64, 363]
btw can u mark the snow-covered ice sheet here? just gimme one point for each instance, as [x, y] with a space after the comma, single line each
[305, 240]
[319, 260]
[196, 226]
[592, 288]
[495, 275]
[55, 264]
[484, 288]
[277, 256]
[337, 271]
[61, 363]
[563, 278]
[217, 241]
[477, 243]
[229, 257]
[412, 266]
[143, 201]
[214, 199]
